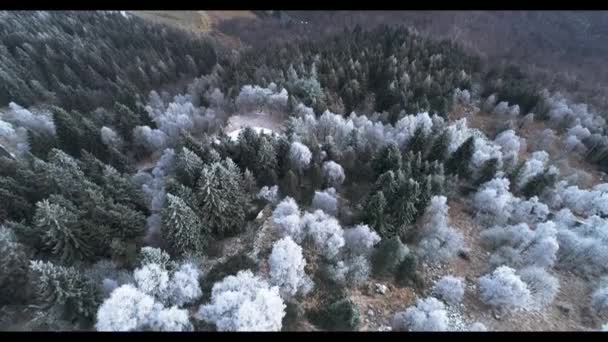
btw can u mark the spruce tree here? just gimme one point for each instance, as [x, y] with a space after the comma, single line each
[458, 162]
[439, 149]
[389, 158]
[13, 267]
[487, 172]
[61, 235]
[67, 288]
[374, 214]
[182, 231]
[188, 167]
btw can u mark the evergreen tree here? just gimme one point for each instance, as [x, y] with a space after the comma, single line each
[67, 288]
[182, 230]
[440, 146]
[188, 167]
[374, 214]
[13, 267]
[290, 186]
[487, 172]
[418, 141]
[60, 232]
[266, 162]
[458, 162]
[389, 158]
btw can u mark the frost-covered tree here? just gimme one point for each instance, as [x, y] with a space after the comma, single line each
[244, 302]
[599, 297]
[542, 285]
[109, 137]
[287, 220]
[450, 289]
[353, 271]
[493, 202]
[153, 280]
[510, 145]
[360, 240]
[428, 314]
[477, 326]
[188, 167]
[326, 200]
[299, 155]
[127, 309]
[65, 287]
[184, 285]
[60, 230]
[287, 268]
[504, 289]
[326, 233]
[13, 266]
[333, 173]
[269, 194]
[182, 231]
[439, 242]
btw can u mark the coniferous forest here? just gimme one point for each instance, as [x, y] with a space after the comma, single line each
[155, 179]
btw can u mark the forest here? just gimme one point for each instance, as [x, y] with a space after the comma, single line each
[412, 185]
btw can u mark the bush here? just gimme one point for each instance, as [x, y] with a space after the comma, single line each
[388, 256]
[341, 315]
[407, 273]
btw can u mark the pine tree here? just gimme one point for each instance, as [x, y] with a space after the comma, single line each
[389, 158]
[459, 161]
[290, 186]
[374, 215]
[487, 172]
[182, 230]
[13, 267]
[68, 131]
[266, 162]
[188, 167]
[221, 197]
[418, 141]
[440, 146]
[60, 232]
[537, 184]
[67, 288]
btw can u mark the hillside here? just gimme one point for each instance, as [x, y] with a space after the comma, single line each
[295, 171]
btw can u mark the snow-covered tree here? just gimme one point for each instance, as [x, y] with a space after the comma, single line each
[504, 289]
[428, 314]
[184, 286]
[13, 265]
[450, 289]
[326, 200]
[599, 297]
[353, 271]
[269, 194]
[439, 241]
[333, 172]
[493, 202]
[510, 145]
[477, 326]
[66, 287]
[244, 302]
[287, 220]
[153, 280]
[287, 268]
[542, 285]
[360, 240]
[299, 155]
[326, 233]
[109, 137]
[182, 230]
[127, 309]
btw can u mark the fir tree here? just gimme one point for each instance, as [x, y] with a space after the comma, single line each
[182, 230]
[374, 215]
[13, 267]
[389, 158]
[458, 162]
[487, 172]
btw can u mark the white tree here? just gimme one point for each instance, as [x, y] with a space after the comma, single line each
[477, 326]
[299, 155]
[494, 202]
[153, 280]
[504, 289]
[428, 315]
[171, 319]
[326, 233]
[127, 309]
[360, 240]
[109, 137]
[287, 268]
[333, 172]
[510, 145]
[269, 194]
[326, 200]
[244, 302]
[450, 289]
[287, 220]
[543, 286]
[599, 297]
[184, 286]
[439, 242]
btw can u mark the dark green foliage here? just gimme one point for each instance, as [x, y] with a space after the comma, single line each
[13, 267]
[487, 172]
[539, 183]
[221, 197]
[182, 231]
[67, 288]
[341, 315]
[290, 185]
[124, 121]
[439, 148]
[374, 215]
[389, 158]
[458, 162]
[388, 256]
[418, 141]
[188, 167]
[407, 273]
